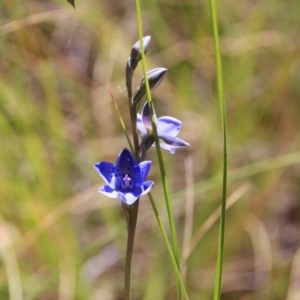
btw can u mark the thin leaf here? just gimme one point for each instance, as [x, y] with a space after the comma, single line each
[219, 268]
[169, 248]
[160, 161]
[120, 119]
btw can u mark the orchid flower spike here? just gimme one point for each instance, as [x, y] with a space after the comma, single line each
[167, 129]
[125, 179]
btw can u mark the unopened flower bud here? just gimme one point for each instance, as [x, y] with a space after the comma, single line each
[155, 77]
[136, 56]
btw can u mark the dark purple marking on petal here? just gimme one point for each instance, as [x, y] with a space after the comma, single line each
[125, 161]
[140, 172]
[146, 116]
[110, 173]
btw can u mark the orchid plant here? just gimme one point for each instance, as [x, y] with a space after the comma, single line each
[126, 179]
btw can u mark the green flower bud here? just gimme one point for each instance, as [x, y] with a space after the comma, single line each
[136, 56]
[155, 77]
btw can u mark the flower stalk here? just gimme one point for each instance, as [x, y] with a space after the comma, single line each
[132, 212]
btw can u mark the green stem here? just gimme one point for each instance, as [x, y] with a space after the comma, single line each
[158, 151]
[169, 248]
[219, 268]
[131, 211]
[169, 206]
[121, 120]
[131, 223]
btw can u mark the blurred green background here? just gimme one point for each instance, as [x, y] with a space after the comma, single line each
[59, 238]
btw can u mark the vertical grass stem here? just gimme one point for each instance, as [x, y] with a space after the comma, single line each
[218, 278]
[158, 151]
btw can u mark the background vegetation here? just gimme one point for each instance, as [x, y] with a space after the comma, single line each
[59, 238]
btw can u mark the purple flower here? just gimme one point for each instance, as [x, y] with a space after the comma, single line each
[125, 179]
[167, 129]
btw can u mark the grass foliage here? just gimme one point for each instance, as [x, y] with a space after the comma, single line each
[60, 239]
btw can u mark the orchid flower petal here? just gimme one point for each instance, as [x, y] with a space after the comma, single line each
[108, 191]
[140, 172]
[129, 197]
[167, 147]
[125, 161]
[168, 126]
[110, 173]
[146, 116]
[147, 186]
[140, 125]
[173, 141]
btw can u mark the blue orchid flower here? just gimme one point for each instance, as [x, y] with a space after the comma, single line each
[167, 129]
[125, 179]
